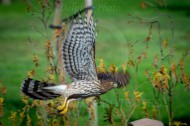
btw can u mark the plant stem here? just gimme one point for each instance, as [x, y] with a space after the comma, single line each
[160, 42]
[167, 110]
[130, 114]
[170, 106]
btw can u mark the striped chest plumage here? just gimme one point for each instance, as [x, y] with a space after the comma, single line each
[83, 89]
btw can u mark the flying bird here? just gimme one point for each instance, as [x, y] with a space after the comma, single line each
[78, 53]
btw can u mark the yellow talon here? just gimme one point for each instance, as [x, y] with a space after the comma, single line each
[64, 108]
[61, 107]
[64, 111]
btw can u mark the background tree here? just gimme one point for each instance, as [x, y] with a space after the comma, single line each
[6, 1]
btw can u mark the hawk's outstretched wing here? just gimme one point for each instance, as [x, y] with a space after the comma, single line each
[120, 78]
[78, 49]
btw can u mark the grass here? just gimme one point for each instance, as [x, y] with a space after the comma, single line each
[114, 33]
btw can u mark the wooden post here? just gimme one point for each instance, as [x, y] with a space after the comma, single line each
[56, 22]
[88, 3]
[57, 12]
[92, 106]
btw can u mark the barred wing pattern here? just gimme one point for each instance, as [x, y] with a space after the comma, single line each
[78, 49]
[120, 78]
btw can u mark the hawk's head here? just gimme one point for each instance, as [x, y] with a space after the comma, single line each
[112, 80]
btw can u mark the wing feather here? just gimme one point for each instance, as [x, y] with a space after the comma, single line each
[78, 49]
[122, 79]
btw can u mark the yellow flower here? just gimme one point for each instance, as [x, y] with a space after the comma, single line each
[154, 112]
[1, 106]
[144, 105]
[161, 79]
[131, 63]
[40, 122]
[174, 76]
[35, 60]
[28, 122]
[143, 5]
[51, 77]
[73, 106]
[144, 54]
[50, 69]
[3, 90]
[41, 103]
[181, 64]
[176, 123]
[145, 109]
[101, 68]
[38, 115]
[55, 122]
[186, 80]
[49, 52]
[124, 66]
[21, 115]
[25, 99]
[126, 94]
[155, 62]
[31, 73]
[137, 95]
[35, 103]
[13, 116]
[165, 43]
[112, 69]
[51, 103]
[148, 38]
[1, 101]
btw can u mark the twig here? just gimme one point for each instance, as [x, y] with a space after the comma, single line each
[118, 100]
[166, 106]
[104, 101]
[130, 114]
[170, 105]
[71, 17]
[76, 14]
[160, 42]
[35, 28]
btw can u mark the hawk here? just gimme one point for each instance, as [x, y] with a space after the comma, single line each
[78, 57]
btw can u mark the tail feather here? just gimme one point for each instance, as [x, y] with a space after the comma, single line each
[39, 90]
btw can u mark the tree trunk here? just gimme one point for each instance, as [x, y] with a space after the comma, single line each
[56, 22]
[92, 106]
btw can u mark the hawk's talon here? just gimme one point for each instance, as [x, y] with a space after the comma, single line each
[65, 105]
[64, 111]
[61, 107]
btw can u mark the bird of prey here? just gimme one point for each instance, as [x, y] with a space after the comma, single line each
[78, 57]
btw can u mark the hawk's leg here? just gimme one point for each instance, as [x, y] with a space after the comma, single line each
[61, 107]
[66, 107]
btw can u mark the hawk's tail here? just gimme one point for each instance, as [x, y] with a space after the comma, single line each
[41, 90]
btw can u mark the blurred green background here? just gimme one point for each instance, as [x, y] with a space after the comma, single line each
[115, 32]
